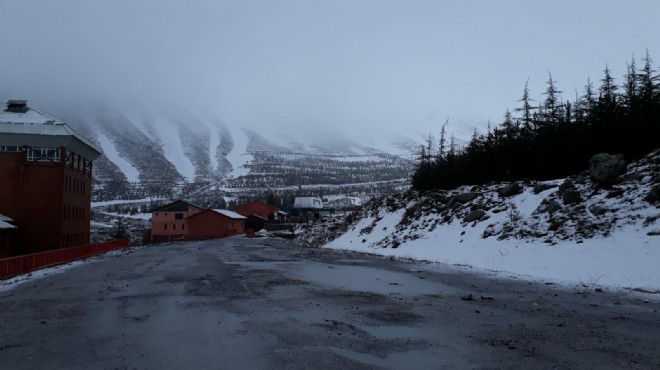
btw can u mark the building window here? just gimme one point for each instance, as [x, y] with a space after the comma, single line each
[183, 227]
[10, 148]
[43, 154]
[164, 226]
[178, 216]
[173, 226]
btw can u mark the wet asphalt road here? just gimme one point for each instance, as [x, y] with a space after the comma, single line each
[262, 304]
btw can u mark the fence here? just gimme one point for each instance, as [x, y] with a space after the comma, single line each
[13, 266]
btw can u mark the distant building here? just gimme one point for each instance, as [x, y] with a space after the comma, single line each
[308, 203]
[215, 223]
[168, 222]
[181, 220]
[259, 213]
[45, 180]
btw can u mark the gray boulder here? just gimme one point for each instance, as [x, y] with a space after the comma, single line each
[597, 210]
[510, 190]
[571, 196]
[653, 196]
[568, 192]
[542, 186]
[605, 167]
[465, 197]
[475, 215]
[552, 207]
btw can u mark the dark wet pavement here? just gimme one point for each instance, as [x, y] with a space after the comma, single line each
[261, 304]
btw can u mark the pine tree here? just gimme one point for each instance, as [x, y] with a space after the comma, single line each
[630, 87]
[607, 98]
[648, 82]
[526, 109]
[588, 99]
[508, 125]
[443, 140]
[551, 104]
[119, 231]
[578, 109]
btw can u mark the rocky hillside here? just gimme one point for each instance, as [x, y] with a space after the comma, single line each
[591, 204]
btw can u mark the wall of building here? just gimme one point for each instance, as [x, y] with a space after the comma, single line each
[211, 225]
[256, 208]
[49, 202]
[170, 225]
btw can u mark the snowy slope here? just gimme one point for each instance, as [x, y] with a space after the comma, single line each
[239, 157]
[611, 237]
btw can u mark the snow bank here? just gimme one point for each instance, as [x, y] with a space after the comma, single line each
[625, 259]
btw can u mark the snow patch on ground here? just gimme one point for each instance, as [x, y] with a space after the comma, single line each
[11, 283]
[625, 259]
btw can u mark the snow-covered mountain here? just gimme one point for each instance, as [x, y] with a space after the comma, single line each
[177, 154]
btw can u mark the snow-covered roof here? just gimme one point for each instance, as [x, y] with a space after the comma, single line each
[6, 218]
[230, 214]
[36, 129]
[5, 222]
[6, 225]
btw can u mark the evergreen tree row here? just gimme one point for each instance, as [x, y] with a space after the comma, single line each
[551, 138]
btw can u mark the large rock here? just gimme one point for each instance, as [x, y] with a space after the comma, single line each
[653, 196]
[465, 197]
[605, 167]
[475, 215]
[542, 186]
[568, 193]
[510, 190]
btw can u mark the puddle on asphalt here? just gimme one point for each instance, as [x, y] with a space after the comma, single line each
[367, 279]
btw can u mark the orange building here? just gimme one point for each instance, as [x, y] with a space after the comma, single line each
[258, 208]
[45, 180]
[215, 223]
[168, 222]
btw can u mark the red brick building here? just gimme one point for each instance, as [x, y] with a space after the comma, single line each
[45, 180]
[215, 223]
[168, 222]
[258, 208]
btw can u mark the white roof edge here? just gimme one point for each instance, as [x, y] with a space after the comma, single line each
[6, 218]
[6, 225]
[229, 214]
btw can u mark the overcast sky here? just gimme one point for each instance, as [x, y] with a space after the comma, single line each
[344, 64]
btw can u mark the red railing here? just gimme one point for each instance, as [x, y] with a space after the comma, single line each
[13, 266]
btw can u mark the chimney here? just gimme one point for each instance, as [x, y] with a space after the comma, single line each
[17, 106]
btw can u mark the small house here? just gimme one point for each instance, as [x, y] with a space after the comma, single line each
[215, 223]
[168, 222]
[258, 208]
